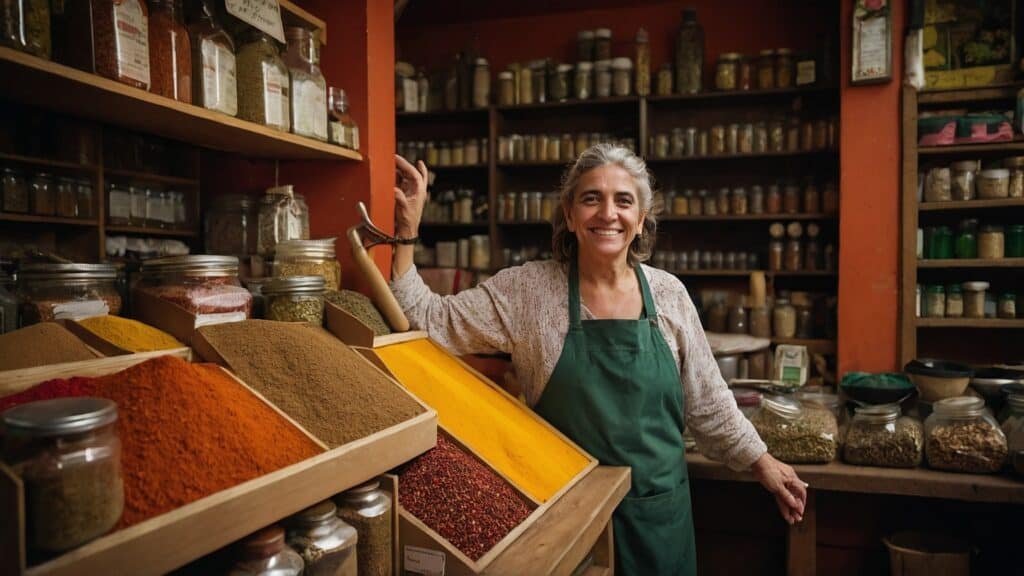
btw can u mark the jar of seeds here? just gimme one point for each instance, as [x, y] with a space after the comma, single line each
[797, 434]
[295, 299]
[880, 436]
[962, 436]
[368, 509]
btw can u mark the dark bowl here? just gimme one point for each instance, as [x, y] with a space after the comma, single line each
[880, 388]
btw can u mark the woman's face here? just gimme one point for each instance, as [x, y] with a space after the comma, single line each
[605, 213]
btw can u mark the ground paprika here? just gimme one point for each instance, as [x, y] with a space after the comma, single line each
[187, 431]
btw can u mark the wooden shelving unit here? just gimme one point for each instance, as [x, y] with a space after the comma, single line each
[971, 204]
[972, 263]
[1008, 147]
[747, 217]
[148, 231]
[132, 175]
[970, 323]
[58, 220]
[727, 157]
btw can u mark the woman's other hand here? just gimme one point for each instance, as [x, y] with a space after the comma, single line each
[410, 197]
[781, 480]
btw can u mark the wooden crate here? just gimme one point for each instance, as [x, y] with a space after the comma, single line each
[175, 538]
[353, 332]
[98, 343]
[12, 381]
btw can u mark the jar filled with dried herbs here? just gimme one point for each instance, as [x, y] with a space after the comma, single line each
[797, 434]
[263, 84]
[308, 88]
[295, 299]
[309, 258]
[368, 509]
[170, 56]
[214, 84]
[264, 553]
[880, 436]
[120, 38]
[962, 436]
[68, 456]
[283, 216]
[326, 543]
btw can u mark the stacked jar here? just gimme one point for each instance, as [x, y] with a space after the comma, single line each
[309, 257]
[67, 291]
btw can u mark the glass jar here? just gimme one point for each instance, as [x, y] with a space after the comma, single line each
[773, 201]
[727, 71]
[567, 147]
[697, 203]
[282, 217]
[538, 79]
[784, 319]
[718, 317]
[1014, 242]
[558, 82]
[791, 199]
[309, 258]
[954, 301]
[1012, 424]
[717, 145]
[264, 554]
[937, 185]
[793, 134]
[602, 74]
[993, 184]
[724, 201]
[83, 199]
[991, 242]
[881, 436]
[748, 401]
[49, 291]
[68, 456]
[794, 256]
[119, 204]
[214, 80]
[794, 433]
[756, 200]
[938, 242]
[295, 299]
[812, 199]
[974, 299]
[776, 255]
[15, 191]
[120, 41]
[206, 286]
[710, 205]
[602, 44]
[783, 68]
[737, 320]
[804, 322]
[664, 85]
[583, 83]
[962, 180]
[263, 82]
[479, 252]
[506, 88]
[662, 146]
[170, 57]
[585, 45]
[732, 138]
[739, 204]
[368, 509]
[962, 436]
[25, 25]
[547, 206]
[308, 95]
[967, 239]
[776, 137]
[760, 322]
[677, 143]
[42, 194]
[935, 301]
[766, 70]
[746, 139]
[67, 200]
[326, 544]
[481, 83]
[622, 77]
[689, 54]
[1007, 306]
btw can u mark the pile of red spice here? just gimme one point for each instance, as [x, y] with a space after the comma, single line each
[460, 498]
[187, 431]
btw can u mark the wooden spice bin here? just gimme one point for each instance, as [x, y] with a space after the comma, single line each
[108, 348]
[175, 538]
[354, 332]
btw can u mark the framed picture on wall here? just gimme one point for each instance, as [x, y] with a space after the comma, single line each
[872, 42]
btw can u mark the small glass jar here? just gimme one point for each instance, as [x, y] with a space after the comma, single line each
[67, 453]
[974, 299]
[15, 191]
[265, 553]
[1016, 167]
[538, 80]
[784, 319]
[295, 299]
[991, 242]
[622, 77]
[812, 198]
[282, 216]
[677, 143]
[756, 199]
[202, 285]
[732, 138]
[795, 433]
[954, 301]
[776, 255]
[961, 183]
[880, 436]
[727, 71]
[776, 137]
[938, 242]
[67, 291]
[966, 245]
[737, 323]
[697, 203]
[807, 136]
[584, 45]
[602, 44]
[766, 70]
[710, 205]
[583, 83]
[993, 184]
[84, 198]
[506, 88]
[791, 199]
[773, 200]
[718, 140]
[481, 83]
[326, 544]
[567, 147]
[558, 82]
[935, 301]
[471, 152]
[603, 79]
[739, 202]
[66, 198]
[783, 68]
[724, 201]
[962, 436]
[1007, 306]
[231, 225]
[937, 185]
[760, 319]
[804, 322]
[794, 256]
[760, 143]
[793, 134]
[368, 509]
[664, 84]
[746, 139]
[42, 195]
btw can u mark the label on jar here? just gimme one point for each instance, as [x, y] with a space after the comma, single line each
[80, 309]
[409, 93]
[219, 82]
[337, 134]
[424, 561]
[805, 73]
[218, 318]
[275, 96]
[132, 42]
[310, 104]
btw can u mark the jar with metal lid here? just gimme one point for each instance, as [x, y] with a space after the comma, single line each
[935, 301]
[776, 136]
[1016, 167]
[954, 301]
[583, 83]
[717, 144]
[558, 82]
[783, 68]
[603, 79]
[739, 202]
[42, 195]
[206, 286]
[724, 201]
[962, 436]
[974, 299]
[602, 44]
[230, 227]
[264, 553]
[991, 242]
[817, 397]
[295, 299]
[993, 184]
[961, 182]
[784, 319]
[263, 81]
[283, 216]
[732, 138]
[15, 191]
[48, 291]
[1007, 306]
[727, 71]
[796, 433]
[68, 457]
[506, 88]
[309, 258]
[766, 69]
[326, 544]
[622, 76]
[538, 79]
[737, 320]
[368, 509]
[697, 203]
[880, 436]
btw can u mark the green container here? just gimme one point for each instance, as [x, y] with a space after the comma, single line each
[1015, 241]
[938, 243]
[967, 239]
[965, 125]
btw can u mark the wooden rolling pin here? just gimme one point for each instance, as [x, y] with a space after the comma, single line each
[380, 294]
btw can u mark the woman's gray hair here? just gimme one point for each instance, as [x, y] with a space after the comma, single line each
[563, 240]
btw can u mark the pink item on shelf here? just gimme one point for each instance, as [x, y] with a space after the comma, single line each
[944, 137]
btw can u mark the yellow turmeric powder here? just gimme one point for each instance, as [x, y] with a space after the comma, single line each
[495, 426]
[130, 334]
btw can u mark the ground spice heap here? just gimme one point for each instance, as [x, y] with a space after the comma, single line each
[497, 427]
[317, 380]
[186, 430]
[39, 345]
[360, 306]
[460, 498]
[130, 334]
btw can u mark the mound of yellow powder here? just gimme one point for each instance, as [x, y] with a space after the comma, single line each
[130, 334]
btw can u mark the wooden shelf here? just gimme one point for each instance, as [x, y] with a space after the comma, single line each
[32, 218]
[970, 204]
[742, 95]
[290, 13]
[467, 114]
[149, 177]
[48, 163]
[814, 345]
[555, 164]
[147, 231]
[525, 223]
[759, 155]
[954, 263]
[745, 217]
[580, 104]
[1009, 146]
[713, 272]
[463, 167]
[970, 323]
[48, 85]
[841, 477]
[968, 95]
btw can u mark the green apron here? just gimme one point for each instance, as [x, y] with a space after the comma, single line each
[616, 392]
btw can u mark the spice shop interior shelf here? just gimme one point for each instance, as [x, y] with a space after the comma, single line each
[972, 263]
[151, 231]
[970, 204]
[816, 345]
[752, 156]
[46, 84]
[739, 217]
[969, 323]
[594, 103]
[743, 95]
[151, 178]
[11, 217]
[208, 524]
[444, 114]
[48, 163]
[840, 477]
[1015, 145]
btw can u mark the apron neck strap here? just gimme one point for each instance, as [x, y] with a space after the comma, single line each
[574, 295]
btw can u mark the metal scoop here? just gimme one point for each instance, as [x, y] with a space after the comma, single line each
[363, 236]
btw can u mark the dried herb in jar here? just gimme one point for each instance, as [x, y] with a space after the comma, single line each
[797, 435]
[263, 83]
[965, 446]
[296, 308]
[895, 444]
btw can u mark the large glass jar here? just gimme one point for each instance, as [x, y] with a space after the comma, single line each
[214, 83]
[558, 82]
[309, 257]
[120, 36]
[283, 216]
[84, 198]
[784, 319]
[766, 69]
[1012, 418]
[993, 184]
[68, 456]
[974, 299]
[170, 56]
[295, 299]
[962, 180]
[15, 191]
[368, 509]
[880, 436]
[206, 286]
[795, 433]
[783, 68]
[308, 94]
[727, 71]
[689, 54]
[583, 83]
[991, 242]
[67, 291]
[265, 554]
[1014, 243]
[42, 194]
[962, 436]
[327, 545]
[760, 322]
[65, 198]
[231, 225]
[263, 82]
[966, 245]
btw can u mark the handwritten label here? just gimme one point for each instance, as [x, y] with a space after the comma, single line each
[423, 561]
[264, 15]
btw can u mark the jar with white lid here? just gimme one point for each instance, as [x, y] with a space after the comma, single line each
[993, 184]
[974, 299]
[622, 76]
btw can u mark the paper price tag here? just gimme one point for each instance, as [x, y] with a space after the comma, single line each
[423, 561]
[264, 15]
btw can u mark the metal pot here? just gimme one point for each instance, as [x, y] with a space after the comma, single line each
[729, 366]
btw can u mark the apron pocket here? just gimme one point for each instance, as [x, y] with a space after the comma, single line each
[654, 534]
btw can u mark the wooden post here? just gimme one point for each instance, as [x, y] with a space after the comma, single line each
[802, 542]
